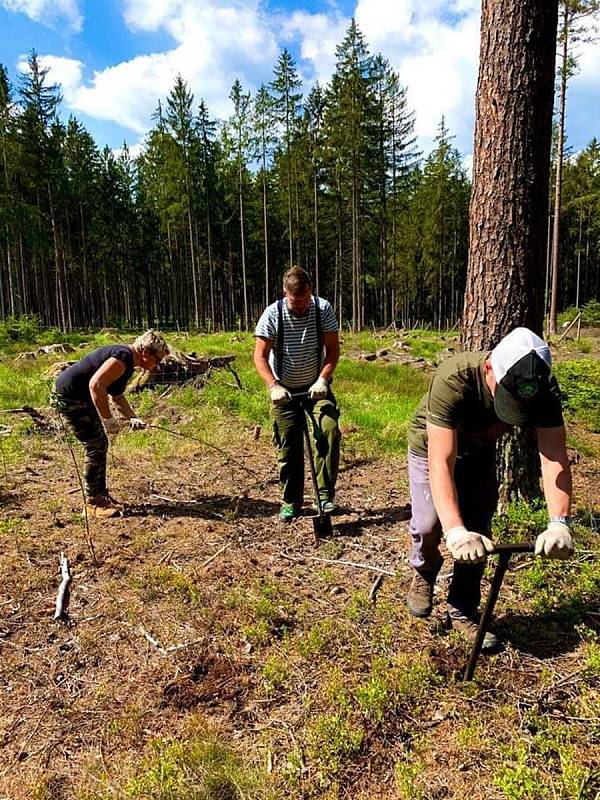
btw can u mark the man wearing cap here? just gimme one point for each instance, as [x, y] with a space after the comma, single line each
[472, 399]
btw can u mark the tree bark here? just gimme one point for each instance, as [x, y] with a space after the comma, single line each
[509, 201]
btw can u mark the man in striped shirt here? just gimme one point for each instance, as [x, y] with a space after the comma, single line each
[297, 350]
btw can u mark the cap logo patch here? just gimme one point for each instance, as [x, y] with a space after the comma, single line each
[526, 387]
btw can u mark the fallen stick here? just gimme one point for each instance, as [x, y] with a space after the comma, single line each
[63, 596]
[154, 642]
[375, 589]
[218, 553]
[340, 563]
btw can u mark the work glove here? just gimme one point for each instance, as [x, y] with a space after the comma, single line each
[319, 389]
[136, 424]
[111, 425]
[468, 546]
[555, 542]
[279, 395]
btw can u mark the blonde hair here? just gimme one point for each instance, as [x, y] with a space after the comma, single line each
[152, 342]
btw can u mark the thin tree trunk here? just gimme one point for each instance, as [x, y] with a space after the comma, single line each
[559, 171]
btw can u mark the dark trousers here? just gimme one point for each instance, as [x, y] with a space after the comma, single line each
[83, 420]
[288, 426]
[477, 489]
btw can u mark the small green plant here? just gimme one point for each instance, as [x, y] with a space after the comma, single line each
[275, 673]
[359, 607]
[517, 780]
[200, 768]
[406, 773]
[164, 580]
[331, 739]
[317, 639]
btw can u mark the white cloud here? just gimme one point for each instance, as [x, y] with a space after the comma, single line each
[214, 43]
[48, 12]
[319, 36]
[433, 44]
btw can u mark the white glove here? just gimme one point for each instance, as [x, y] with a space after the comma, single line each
[555, 542]
[279, 395]
[319, 389]
[468, 546]
[136, 424]
[111, 425]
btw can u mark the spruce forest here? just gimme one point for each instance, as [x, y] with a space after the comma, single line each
[198, 229]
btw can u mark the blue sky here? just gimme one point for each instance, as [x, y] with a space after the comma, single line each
[116, 58]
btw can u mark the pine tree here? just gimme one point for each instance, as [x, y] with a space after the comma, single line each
[287, 98]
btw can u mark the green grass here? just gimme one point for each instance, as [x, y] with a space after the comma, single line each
[579, 382]
[200, 767]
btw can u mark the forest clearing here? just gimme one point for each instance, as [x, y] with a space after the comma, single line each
[212, 652]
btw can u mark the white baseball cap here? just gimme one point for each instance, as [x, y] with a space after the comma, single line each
[522, 366]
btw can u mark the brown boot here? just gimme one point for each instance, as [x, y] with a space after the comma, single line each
[468, 624]
[103, 506]
[420, 595]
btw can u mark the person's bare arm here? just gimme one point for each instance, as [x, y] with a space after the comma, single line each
[110, 371]
[441, 454]
[122, 405]
[556, 470]
[262, 349]
[331, 341]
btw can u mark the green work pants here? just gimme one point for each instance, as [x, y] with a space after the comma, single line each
[288, 433]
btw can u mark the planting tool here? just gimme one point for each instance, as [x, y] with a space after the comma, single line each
[504, 552]
[321, 522]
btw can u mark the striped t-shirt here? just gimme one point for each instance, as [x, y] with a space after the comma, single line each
[300, 362]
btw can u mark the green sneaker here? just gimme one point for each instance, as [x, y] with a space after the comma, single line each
[288, 512]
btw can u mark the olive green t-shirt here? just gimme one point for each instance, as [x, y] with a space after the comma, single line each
[460, 399]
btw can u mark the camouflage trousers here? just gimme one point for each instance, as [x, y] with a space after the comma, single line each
[288, 427]
[83, 421]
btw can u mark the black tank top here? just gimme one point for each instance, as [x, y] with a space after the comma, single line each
[73, 382]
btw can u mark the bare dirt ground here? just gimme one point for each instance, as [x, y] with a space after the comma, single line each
[167, 627]
[198, 588]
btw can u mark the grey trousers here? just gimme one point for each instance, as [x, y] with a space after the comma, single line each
[477, 488]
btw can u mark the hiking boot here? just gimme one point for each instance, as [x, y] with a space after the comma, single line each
[468, 624]
[103, 506]
[420, 595]
[289, 512]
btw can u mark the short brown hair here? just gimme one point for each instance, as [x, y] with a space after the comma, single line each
[296, 280]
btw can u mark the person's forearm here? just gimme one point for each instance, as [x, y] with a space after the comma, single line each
[332, 356]
[558, 486]
[264, 370]
[99, 397]
[122, 405]
[445, 496]
[329, 366]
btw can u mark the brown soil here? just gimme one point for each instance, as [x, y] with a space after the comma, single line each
[87, 696]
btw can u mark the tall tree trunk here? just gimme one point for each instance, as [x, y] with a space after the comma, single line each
[508, 209]
[193, 258]
[552, 322]
[265, 231]
[316, 231]
[243, 249]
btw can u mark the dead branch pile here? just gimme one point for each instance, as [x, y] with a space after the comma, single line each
[48, 349]
[42, 423]
[179, 368]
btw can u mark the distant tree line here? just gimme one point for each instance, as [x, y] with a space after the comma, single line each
[198, 229]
